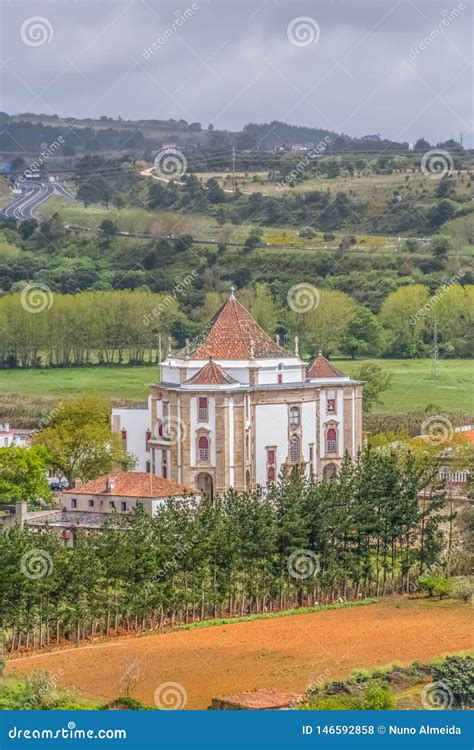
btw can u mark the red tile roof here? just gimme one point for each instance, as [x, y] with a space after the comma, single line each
[130, 484]
[322, 368]
[234, 334]
[267, 698]
[210, 374]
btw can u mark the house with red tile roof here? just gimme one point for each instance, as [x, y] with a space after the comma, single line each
[121, 491]
[234, 407]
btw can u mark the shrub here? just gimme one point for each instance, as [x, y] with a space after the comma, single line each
[378, 697]
[436, 583]
[463, 589]
[130, 703]
[333, 703]
[307, 232]
[458, 673]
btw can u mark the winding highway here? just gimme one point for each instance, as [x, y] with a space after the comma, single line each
[33, 195]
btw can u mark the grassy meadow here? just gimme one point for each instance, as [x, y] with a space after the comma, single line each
[412, 386]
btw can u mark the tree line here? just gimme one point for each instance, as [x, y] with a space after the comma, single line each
[296, 543]
[42, 328]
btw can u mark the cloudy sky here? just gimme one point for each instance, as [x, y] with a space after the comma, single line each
[403, 69]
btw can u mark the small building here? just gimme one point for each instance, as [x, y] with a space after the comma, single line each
[265, 699]
[89, 506]
[11, 437]
[121, 491]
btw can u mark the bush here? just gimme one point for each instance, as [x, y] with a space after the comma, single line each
[458, 673]
[378, 697]
[411, 245]
[462, 589]
[307, 232]
[38, 692]
[436, 583]
[130, 703]
[333, 703]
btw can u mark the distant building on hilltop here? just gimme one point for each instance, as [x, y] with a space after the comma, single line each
[234, 407]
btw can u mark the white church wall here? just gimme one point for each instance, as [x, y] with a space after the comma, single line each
[289, 374]
[136, 422]
[271, 429]
[308, 429]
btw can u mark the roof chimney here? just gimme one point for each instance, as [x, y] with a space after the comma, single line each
[111, 484]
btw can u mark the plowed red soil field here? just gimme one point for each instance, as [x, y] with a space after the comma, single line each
[286, 652]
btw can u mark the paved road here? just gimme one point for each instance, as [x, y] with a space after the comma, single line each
[33, 195]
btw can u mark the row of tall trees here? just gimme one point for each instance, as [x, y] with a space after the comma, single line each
[39, 327]
[299, 542]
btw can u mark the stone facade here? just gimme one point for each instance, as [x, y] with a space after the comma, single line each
[215, 422]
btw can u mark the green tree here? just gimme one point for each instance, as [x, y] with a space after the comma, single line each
[436, 584]
[376, 382]
[23, 474]
[80, 442]
[362, 335]
[458, 673]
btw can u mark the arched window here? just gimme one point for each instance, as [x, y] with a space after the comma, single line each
[294, 418]
[331, 440]
[203, 409]
[270, 474]
[203, 445]
[124, 439]
[294, 450]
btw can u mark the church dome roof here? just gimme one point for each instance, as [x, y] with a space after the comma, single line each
[234, 334]
[210, 374]
[321, 367]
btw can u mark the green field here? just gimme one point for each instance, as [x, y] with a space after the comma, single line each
[412, 386]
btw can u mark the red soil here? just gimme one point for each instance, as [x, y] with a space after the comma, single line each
[287, 652]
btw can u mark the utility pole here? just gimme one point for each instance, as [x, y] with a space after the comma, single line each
[159, 348]
[435, 354]
[233, 170]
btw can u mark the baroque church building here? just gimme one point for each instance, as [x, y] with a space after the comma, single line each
[234, 407]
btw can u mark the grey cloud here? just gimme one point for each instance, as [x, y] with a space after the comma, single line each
[230, 63]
